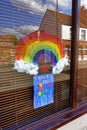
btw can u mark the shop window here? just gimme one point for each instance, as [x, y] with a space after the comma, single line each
[36, 77]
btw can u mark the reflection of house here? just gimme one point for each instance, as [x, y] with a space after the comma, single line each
[7, 49]
[55, 23]
[60, 24]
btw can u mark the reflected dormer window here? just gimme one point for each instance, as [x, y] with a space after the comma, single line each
[83, 35]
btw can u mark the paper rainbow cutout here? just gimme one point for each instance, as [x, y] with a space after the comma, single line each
[37, 48]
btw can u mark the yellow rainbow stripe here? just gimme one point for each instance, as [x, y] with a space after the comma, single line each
[36, 46]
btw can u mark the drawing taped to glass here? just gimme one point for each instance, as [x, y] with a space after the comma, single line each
[31, 52]
[43, 90]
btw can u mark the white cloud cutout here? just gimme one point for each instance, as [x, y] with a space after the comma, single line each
[40, 6]
[84, 2]
[32, 69]
[28, 68]
[20, 32]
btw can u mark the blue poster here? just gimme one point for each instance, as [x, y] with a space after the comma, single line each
[43, 90]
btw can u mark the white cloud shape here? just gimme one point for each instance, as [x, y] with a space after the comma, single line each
[20, 32]
[26, 29]
[84, 2]
[65, 4]
[33, 6]
[40, 6]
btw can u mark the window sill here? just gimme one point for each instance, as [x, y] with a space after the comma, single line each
[56, 120]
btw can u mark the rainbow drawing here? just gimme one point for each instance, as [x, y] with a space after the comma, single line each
[37, 48]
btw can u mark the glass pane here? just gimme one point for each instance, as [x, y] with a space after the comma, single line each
[35, 56]
[82, 54]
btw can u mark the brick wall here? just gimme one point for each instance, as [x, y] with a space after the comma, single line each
[7, 50]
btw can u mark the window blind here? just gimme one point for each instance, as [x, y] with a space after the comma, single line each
[17, 89]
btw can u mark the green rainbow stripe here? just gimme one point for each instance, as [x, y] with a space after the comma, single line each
[40, 45]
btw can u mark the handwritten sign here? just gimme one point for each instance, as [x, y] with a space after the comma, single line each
[43, 90]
